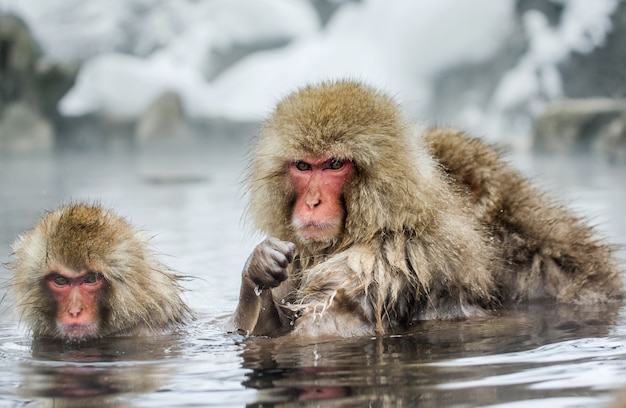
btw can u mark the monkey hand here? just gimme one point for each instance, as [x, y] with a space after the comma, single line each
[267, 265]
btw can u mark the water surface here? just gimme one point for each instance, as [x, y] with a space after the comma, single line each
[192, 202]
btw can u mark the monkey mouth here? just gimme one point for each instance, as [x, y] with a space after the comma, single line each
[318, 225]
[312, 231]
[78, 331]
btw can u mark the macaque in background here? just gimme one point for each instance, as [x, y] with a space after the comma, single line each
[369, 233]
[82, 272]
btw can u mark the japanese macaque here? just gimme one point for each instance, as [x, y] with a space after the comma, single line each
[82, 272]
[373, 227]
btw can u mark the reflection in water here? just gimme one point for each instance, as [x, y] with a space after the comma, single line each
[96, 373]
[415, 368]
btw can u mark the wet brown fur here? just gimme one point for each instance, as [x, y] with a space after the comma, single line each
[142, 296]
[421, 240]
[548, 250]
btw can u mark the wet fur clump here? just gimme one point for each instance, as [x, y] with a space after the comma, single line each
[549, 252]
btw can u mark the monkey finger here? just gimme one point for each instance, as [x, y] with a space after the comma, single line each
[282, 260]
[266, 274]
[291, 251]
[279, 274]
[262, 279]
[284, 247]
[269, 281]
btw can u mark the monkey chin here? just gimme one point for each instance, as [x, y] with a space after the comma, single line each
[78, 332]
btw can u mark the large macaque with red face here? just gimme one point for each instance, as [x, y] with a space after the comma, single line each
[369, 233]
[82, 272]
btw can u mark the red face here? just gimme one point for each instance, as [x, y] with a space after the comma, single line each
[319, 215]
[76, 295]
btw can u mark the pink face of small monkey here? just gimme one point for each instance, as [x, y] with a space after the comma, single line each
[77, 297]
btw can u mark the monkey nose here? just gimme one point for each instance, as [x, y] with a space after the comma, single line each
[75, 311]
[312, 200]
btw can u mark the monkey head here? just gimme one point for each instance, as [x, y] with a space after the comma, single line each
[330, 166]
[82, 272]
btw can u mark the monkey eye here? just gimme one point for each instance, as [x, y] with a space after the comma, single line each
[302, 166]
[91, 277]
[335, 164]
[60, 280]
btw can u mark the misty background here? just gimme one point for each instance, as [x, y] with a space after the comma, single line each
[529, 74]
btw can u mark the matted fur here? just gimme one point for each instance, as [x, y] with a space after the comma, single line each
[143, 296]
[422, 239]
[550, 252]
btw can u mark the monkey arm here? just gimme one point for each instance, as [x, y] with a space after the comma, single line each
[258, 311]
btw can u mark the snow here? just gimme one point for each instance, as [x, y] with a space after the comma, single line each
[120, 85]
[535, 80]
[583, 27]
[137, 49]
[74, 30]
[396, 48]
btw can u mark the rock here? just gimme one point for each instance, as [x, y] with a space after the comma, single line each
[52, 81]
[595, 125]
[30, 89]
[22, 128]
[163, 120]
[18, 54]
[614, 141]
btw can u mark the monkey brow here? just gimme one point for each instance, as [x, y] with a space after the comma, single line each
[78, 279]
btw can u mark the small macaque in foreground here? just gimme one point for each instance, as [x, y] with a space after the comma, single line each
[374, 224]
[82, 272]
